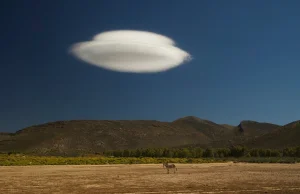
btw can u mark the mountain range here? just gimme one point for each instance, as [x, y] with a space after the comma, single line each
[94, 136]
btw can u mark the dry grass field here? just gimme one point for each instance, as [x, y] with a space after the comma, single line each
[152, 178]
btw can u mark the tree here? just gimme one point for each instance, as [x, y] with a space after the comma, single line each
[268, 153]
[138, 153]
[199, 152]
[165, 152]
[118, 153]
[254, 153]
[108, 153]
[298, 149]
[176, 153]
[262, 153]
[223, 152]
[184, 153]
[149, 152]
[237, 151]
[132, 153]
[275, 153]
[158, 152]
[289, 152]
[126, 153]
[208, 153]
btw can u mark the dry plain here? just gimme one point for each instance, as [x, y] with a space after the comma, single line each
[152, 178]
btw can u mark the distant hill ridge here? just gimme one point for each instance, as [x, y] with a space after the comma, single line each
[284, 136]
[92, 136]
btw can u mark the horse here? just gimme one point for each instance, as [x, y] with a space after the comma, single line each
[168, 166]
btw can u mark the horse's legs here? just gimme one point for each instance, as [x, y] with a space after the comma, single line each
[168, 171]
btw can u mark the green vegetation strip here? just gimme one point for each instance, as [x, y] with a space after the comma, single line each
[191, 152]
[25, 160]
[159, 155]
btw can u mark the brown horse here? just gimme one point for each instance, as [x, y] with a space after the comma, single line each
[168, 166]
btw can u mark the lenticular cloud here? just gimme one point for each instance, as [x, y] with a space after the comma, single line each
[131, 51]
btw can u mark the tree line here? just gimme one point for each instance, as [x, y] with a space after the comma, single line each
[238, 151]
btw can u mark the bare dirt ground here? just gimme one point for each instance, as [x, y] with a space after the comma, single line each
[152, 178]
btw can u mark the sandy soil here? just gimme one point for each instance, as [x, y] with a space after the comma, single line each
[190, 178]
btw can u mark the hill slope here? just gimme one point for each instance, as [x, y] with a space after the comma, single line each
[5, 136]
[220, 135]
[72, 137]
[247, 130]
[228, 126]
[209, 128]
[253, 128]
[285, 136]
[92, 136]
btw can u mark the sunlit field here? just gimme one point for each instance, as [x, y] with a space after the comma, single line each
[152, 178]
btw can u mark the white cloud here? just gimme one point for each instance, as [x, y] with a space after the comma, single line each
[131, 51]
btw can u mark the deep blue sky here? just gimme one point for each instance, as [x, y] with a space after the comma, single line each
[246, 62]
